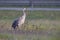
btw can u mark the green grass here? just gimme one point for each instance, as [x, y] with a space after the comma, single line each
[11, 14]
[5, 36]
[28, 37]
[44, 21]
[45, 14]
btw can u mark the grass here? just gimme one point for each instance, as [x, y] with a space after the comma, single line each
[46, 22]
[49, 18]
[28, 37]
[5, 36]
[11, 14]
[42, 19]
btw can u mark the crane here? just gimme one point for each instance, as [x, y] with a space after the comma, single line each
[17, 23]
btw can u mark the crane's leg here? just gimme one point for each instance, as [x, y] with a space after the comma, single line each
[16, 28]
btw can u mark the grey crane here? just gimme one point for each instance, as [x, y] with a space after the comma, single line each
[19, 21]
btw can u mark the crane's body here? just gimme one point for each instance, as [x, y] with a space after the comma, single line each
[15, 24]
[22, 19]
[18, 22]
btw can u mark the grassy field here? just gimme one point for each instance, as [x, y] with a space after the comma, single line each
[28, 37]
[47, 23]
[11, 14]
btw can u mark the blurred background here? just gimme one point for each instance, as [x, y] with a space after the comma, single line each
[30, 3]
[42, 21]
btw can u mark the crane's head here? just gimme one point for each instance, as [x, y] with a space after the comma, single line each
[24, 9]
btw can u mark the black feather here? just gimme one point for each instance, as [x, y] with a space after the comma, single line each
[15, 24]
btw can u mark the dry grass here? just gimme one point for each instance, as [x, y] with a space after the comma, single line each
[38, 24]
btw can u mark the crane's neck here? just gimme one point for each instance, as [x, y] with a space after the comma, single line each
[22, 18]
[24, 13]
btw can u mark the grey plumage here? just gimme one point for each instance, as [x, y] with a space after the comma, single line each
[18, 22]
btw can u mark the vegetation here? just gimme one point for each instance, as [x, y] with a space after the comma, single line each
[9, 14]
[45, 22]
[29, 36]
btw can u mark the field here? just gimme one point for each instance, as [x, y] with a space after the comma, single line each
[39, 25]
